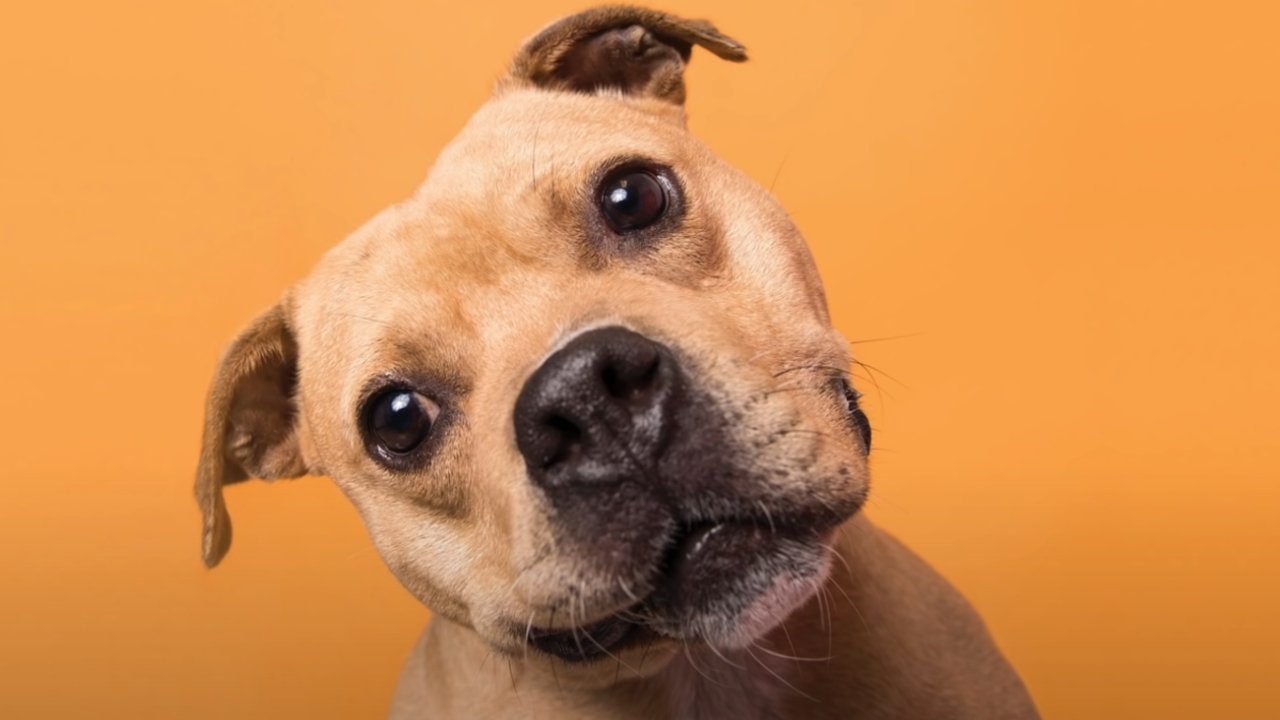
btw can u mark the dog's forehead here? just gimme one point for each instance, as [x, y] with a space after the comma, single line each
[509, 189]
[527, 142]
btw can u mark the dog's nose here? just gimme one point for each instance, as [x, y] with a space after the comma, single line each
[597, 410]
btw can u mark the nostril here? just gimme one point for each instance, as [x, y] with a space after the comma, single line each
[566, 441]
[631, 381]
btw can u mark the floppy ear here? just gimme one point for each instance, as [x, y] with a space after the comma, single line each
[637, 51]
[250, 425]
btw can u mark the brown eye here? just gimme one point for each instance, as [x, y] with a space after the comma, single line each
[399, 420]
[632, 200]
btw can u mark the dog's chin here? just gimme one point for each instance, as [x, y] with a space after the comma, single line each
[723, 584]
[768, 599]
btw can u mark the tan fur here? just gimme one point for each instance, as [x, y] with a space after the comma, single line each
[481, 275]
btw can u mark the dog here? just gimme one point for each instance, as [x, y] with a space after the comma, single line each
[584, 390]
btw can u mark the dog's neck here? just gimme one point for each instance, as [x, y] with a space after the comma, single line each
[885, 637]
[697, 682]
[739, 684]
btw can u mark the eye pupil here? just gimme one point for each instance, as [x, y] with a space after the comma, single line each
[400, 421]
[633, 200]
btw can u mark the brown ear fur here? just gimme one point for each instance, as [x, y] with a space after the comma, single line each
[631, 49]
[250, 422]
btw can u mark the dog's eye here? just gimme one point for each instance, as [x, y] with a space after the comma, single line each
[399, 420]
[632, 199]
[860, 422]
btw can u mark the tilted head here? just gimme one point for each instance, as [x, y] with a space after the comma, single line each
[582, 386]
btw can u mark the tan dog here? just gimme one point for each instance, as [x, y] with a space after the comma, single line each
[584, 391]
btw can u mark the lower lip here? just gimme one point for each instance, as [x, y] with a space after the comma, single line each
[588, 643]
[688, 547]
[690, 553]
[712, 549]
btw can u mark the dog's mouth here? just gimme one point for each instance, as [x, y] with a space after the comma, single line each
[710, 568]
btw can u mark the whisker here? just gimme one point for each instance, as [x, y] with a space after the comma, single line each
[785, 389]
[873, 368]
[627, 589]
[779, 677]
[830, 622]
[773, 529]
[720, 655]
[528, 630]
[375, 321]
[880, 393]
[645, 654]
[512, 674]
[689, 656]
[573, 624]
[824, 614]
[543, 553]
[886, 338]
[638, 618]
[804, 431]
[831, 546]
[605, 650]
[778, 173]
[853, 605]
[787, 634]
[798, 368]
[784, 656]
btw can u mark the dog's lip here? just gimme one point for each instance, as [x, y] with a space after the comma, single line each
[692, 545]
[613, 633]
[712, 552]
[586, 643]
[686, 545]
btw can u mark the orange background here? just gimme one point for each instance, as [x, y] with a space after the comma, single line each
[1069, 207]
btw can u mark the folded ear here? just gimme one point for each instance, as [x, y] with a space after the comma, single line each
[630, 49]
[250, 426]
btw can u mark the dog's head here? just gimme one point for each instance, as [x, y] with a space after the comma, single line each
[582, 386]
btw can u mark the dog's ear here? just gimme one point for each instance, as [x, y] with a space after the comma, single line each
[250, 426]
[629, 49]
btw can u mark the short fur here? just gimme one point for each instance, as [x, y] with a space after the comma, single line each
[498, 260]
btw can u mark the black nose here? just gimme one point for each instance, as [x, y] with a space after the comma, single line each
[597, 410]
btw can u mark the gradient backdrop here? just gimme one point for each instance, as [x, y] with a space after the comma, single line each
[1070, 209]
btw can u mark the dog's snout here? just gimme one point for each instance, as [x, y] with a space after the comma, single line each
[597, 410]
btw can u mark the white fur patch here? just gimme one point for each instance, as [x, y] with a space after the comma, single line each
[785, 595]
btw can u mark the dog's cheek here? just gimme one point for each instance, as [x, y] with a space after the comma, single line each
[433, 558]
